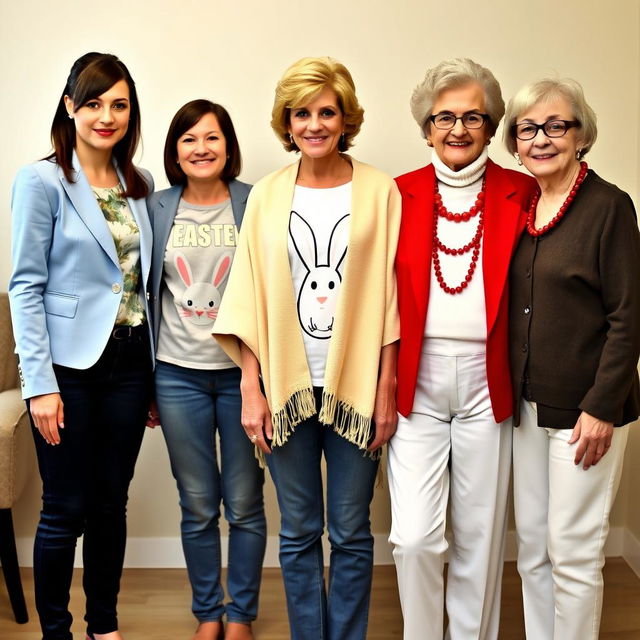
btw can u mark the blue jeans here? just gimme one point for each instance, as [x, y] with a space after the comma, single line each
[341, 612]
[85, 481]
[193, 404]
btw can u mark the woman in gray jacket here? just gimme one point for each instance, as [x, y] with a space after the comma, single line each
[195, 226]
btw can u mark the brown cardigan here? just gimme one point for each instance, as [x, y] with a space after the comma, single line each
[575, 312]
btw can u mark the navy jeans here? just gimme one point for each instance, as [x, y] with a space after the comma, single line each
[193, 405]
[315, 613]
[85, 483]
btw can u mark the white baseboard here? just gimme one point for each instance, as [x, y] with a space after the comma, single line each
[166, 553]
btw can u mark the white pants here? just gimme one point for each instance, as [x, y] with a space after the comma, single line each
[562, 521]
[450, 447]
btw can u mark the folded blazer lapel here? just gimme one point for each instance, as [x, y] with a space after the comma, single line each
[163, 217]
[238, 202]
[501, 230]
[88, 210]
[139, 211]
[419, 236]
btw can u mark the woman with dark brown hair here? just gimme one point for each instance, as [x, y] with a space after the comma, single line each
[195, 225]
[81, 258]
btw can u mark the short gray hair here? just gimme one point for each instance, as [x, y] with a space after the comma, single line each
[547, 90]
[450, 74]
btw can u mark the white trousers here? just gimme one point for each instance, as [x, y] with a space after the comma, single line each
[450, 448]
[562, 522]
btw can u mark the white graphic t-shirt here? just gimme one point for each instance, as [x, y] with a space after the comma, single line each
[318, 238]
[197, 261]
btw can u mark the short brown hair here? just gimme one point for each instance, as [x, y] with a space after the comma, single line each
[300, 84]
[188, 116]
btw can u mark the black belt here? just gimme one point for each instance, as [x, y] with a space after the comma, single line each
[127, 332]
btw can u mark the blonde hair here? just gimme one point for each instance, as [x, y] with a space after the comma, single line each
[547, 90]
[450, 74]
[300, 84]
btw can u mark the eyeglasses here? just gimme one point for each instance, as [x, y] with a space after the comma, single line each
[470, 120]
[551, 129]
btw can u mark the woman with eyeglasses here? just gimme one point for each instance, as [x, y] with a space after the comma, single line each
[575, 341]
[461, 218]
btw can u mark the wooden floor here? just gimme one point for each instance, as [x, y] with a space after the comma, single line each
[154, 604]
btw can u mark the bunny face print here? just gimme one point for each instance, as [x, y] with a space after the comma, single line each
[197, 262]
[201, 300]
[318, 240]
[318, 293]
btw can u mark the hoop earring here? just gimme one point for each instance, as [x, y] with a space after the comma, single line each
[516, 155]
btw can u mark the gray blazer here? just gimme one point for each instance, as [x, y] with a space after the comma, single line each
[162, 207]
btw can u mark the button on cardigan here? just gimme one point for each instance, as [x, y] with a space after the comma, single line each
[575, 312]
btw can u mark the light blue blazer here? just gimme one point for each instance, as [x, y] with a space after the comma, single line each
[66, 284]
[163, 206]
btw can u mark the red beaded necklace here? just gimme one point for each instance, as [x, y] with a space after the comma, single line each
[440, 211]
[531, 215]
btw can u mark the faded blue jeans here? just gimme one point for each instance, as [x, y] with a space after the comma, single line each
[193, 405]
[341, 611]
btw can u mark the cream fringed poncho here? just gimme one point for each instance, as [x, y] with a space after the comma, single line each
[259, 306]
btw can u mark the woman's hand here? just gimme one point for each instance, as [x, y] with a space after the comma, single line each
[593, 437]
[48, 416]
[153, 417]
[255, 417]
[385, 416]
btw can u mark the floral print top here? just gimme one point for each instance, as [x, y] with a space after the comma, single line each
[126, 238]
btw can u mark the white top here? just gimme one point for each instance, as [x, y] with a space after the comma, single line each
[461, 316]
[318, 237]
[197, 261]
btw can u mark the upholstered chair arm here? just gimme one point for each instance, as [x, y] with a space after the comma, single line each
[14, 438]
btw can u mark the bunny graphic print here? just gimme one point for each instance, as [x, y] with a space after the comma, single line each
[318, 240]
[197, 262]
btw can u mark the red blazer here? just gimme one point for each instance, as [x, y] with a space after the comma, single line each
[506, 201]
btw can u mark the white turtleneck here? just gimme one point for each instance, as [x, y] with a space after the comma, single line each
[462, 316]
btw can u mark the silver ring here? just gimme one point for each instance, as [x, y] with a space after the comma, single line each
[253, 437]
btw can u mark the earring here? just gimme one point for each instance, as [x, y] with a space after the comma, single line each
[578, 154]
[516, 155]
[342, 139]
[70, 116]
[429, 143]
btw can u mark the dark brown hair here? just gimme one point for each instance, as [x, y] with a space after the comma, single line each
[90, 76]
[188, 116]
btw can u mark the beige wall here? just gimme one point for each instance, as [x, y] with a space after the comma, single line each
[234, 52]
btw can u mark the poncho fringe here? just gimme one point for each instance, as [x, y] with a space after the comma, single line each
[259, 307]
